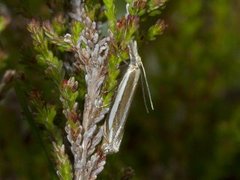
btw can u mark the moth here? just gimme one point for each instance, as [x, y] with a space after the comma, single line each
[114, 125]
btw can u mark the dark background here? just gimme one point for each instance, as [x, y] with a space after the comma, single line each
[194, 75]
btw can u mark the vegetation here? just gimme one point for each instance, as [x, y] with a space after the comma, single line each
[193, 71]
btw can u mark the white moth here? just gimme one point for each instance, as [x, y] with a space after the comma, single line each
[114, 125]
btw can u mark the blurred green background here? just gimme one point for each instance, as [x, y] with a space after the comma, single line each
[194, 75]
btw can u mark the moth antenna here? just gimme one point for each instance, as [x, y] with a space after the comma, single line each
[147, 85]
[144, 94]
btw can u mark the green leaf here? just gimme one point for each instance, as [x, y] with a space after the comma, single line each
[110, 13]
[156, 29]
[76, 29]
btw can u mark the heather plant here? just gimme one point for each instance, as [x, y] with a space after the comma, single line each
[81, 60]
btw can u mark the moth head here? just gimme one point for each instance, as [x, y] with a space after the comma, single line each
[133, 53]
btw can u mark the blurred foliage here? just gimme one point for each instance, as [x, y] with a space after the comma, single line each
[193, 71]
